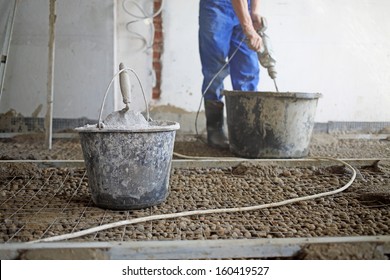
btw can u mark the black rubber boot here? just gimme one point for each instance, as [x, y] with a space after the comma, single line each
[214, 122]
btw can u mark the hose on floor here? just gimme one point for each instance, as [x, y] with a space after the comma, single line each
[204, 212]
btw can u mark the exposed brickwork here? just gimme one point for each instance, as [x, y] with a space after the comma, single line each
[157, 49]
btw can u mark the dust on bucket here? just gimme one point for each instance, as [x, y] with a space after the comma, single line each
[127, 157]
[270, 124]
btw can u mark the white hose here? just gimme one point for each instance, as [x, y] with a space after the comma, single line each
[144, 17]
[202, 212]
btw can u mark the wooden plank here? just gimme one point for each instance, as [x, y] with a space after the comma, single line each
[364, 136]
[59, 135]
[220, 162]
[176, 249]
[48, 163]
[307, 162]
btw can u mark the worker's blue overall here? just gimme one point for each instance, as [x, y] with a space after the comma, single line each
[220, 34]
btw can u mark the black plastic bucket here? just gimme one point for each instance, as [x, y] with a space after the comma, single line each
[269, 124]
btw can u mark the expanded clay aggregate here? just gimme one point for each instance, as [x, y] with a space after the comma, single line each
[37, 203]
[32, 147]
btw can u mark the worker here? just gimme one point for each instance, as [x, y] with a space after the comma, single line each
[224, 27]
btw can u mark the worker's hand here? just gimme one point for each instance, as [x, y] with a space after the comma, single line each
[257, 21]
[254, 40]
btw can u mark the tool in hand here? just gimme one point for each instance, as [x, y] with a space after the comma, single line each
[265, 55]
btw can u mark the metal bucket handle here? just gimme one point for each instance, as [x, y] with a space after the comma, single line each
[125, 97]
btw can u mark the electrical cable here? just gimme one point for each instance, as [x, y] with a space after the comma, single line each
[145, 17]
[203, 212]
[209, 85]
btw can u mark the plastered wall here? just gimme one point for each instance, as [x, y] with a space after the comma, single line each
[338, 48]
[134, 47]
[84, 58]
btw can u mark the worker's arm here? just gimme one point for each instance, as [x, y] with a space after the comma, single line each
[249, 21]
[255, 14]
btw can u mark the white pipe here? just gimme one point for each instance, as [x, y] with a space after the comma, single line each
[50, 75]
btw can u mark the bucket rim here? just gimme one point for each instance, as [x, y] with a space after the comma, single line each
[156, 126]
[302, 95]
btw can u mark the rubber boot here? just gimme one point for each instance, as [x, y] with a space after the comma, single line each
[214, 122]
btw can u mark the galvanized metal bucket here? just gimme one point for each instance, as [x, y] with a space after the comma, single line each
[128, 168]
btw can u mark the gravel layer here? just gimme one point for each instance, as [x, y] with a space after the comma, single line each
[33, 147]
[54, 201]
[321, 145]
[36, 203]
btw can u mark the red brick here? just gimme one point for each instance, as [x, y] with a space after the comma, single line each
[157, 49]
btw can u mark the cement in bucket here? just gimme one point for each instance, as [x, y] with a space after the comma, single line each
[270, 124]
[128, 167]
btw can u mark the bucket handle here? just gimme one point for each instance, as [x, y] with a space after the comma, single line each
[100, 123]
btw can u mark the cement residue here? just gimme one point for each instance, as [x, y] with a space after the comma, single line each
[168, 109]
[12, 121]
[126, 120]
[129, 121]
[64, 254]
[358, 251]
[385, 130]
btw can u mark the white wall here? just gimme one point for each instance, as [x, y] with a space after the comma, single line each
[181, 76]
[133, 47]
[338, 48]
[84, 58]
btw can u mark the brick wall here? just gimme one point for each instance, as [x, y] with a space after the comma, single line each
[157, 49]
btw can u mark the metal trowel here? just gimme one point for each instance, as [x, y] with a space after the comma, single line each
[125, 118]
